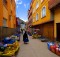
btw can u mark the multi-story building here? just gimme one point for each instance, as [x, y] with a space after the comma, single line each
[26, 25]
[30, 18]
[7, 17]
[8, 13]
[45, 19]
[20, 24]
[54, 5]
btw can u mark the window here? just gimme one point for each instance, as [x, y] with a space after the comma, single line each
[42, 1]
[5, 2]
[5, 22]
[37, 5]
[43, 13]
[36, 16]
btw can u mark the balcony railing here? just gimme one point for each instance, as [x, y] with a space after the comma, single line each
[53, 3]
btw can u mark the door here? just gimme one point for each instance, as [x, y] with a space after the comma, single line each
[58, 31]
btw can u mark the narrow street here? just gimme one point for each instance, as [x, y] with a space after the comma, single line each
[39, 18]
[35, 48]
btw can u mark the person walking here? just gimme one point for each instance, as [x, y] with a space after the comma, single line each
[25, 38]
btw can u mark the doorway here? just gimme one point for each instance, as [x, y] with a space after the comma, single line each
[58, 32]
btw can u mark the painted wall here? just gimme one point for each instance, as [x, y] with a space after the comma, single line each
[38, 10]
[5, 14]
[6, 11]
[13, 14]
[9, 13]
[56, 20]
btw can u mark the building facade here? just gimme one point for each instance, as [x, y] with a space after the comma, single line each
[54, 5]
[30, 18]
[8, 13]
[46, 18]
[7, 17]
[20, 24]
[42, 18]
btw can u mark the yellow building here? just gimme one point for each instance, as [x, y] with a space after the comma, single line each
[8, 13]
[44, 19]
[41, 13]
[54, 5]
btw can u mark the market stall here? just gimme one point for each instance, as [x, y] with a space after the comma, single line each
[8, 47]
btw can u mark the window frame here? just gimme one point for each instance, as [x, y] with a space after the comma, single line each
[43, 12]
[4, 22]
[5, 3]
[37, 5]
[37, 16]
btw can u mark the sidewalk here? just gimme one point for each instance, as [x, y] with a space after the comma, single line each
[35, 48]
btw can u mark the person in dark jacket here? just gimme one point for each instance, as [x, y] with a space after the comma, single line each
[25, 37]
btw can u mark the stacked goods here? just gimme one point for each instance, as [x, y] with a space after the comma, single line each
[2, 47]
[53, 48]
[35, 36]
[58, 51]
[39, 36]
[50, 44]
[18, 36]
[14, 37]
[10, 49]
[8, 40]
[16, 44]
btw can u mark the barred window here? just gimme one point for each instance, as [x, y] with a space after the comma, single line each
[5, 2]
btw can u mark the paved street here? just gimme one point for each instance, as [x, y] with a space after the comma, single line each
[35, 48]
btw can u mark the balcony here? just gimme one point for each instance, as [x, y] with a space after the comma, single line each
[53, 3]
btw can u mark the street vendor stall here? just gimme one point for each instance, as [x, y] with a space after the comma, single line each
[9, 47]
[36, 34]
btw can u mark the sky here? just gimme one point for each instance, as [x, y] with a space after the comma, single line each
[22, 7]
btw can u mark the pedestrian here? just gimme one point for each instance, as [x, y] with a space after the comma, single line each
[23, 32]
[25, 38]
